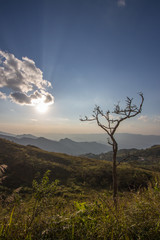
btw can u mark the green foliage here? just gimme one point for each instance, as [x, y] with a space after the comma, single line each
[44, 189]
[148, 156]
[136, 217]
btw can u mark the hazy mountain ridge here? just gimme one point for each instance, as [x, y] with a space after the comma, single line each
[63, 146]
[124, 140]
[26, 136]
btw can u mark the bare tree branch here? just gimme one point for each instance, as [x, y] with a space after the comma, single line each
[131, 110]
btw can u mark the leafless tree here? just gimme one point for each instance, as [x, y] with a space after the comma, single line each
[112, 122]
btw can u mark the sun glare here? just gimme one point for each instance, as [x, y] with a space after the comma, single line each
[42, 107]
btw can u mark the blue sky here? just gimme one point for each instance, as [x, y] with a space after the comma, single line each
[73, 55]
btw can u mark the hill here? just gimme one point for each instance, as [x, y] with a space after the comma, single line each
[149, 153]
[145, 158]
[27, 162]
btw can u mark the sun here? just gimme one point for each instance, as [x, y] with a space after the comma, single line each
[42, 107]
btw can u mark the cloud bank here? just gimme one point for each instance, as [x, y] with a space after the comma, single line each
[24, 80]
[143, 118]
[153, 119]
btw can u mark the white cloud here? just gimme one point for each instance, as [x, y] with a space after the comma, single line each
[121, 3]
[143, 118]
[34, 120]
[2, 95]
[156, 119]
[24, 80]
[151, 119]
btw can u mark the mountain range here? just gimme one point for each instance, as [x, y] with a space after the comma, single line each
[77, 144]
[124, 140]
[62, 146]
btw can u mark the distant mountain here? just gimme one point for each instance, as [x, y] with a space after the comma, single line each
[26, 136]
[63, 146]
[7, 134]
[125, 140]
[138, 141]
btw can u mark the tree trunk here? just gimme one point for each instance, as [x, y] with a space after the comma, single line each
[114, 173]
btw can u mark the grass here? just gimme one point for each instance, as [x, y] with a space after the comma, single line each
[46, 214]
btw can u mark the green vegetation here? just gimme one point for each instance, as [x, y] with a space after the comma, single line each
[28, 163]
[49, 196]
[147, 159]
[46, 215]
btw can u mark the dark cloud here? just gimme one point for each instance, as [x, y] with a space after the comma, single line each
[21, 98]
[33, 99]
[49, 98]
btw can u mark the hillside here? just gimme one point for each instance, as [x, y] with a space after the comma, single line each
[146, 158]
[27, 162]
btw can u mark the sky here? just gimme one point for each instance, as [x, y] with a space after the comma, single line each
[60, 58]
